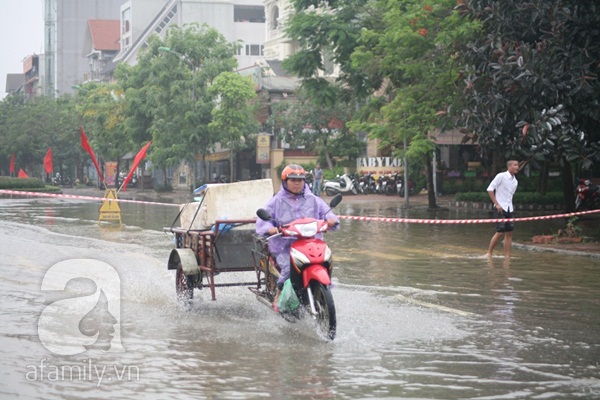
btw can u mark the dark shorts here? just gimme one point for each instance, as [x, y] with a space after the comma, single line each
[503, 226]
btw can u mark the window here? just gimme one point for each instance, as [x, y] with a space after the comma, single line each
[274, 18]
[249, 14]
[126, 21]
[254, 50]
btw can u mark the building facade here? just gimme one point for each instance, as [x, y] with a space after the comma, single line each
[65, 25]
[237, 20]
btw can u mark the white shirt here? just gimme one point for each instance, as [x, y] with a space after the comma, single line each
[505, 186]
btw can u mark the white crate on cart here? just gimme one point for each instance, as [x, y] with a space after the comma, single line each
[222, 201]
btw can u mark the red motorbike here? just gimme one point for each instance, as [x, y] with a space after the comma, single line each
[310, 270]
[587, 195]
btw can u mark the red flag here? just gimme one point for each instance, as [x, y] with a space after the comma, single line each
[139, 157]
[86, 146]
[48, 161]
[12, 163]
[22, 173]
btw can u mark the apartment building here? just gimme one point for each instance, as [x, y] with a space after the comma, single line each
[237, 20]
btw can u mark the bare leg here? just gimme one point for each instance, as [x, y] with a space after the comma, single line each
[276, 299]
[507, 244]
[495, 239]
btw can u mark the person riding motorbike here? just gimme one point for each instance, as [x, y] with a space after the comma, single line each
[293, 201]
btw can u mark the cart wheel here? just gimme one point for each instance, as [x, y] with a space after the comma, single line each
[184, 285]
[271, 279]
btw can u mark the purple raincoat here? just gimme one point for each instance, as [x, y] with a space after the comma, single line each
[286, 207]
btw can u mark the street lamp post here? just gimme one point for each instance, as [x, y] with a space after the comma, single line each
[185, 58]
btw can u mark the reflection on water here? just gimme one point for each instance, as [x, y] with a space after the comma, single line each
[422, 313]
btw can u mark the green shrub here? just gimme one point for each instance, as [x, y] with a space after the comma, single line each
[163, 188]
[7, 182]
[329, 174]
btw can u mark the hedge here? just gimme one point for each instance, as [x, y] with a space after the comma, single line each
[26, 184]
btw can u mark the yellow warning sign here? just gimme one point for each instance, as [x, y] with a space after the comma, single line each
[110, 210]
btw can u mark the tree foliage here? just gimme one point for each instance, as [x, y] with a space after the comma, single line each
[102, 107]
[29, 128]
[532, 81]
[307, 122]
[233, 116]
[167, 92]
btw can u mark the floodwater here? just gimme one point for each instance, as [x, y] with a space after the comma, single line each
[421, 315]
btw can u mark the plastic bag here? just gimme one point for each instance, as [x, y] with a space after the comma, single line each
[288, 301]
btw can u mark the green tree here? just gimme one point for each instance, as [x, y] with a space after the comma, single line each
[532, 82]
[102, 110]
[317, 126]
[167, 92]
[234, 115]
[29, 128]
[414, 49]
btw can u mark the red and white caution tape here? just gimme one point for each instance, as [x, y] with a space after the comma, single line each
[464, 221]
[71, 196]
[349, 217]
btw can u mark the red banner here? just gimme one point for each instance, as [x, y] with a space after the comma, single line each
[12, 163]
[86, 146]
[22, 174]
[139, 157]
[48, 161]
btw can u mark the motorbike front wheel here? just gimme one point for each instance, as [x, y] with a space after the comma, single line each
[577, 202]
[330, 192]
[325, 308]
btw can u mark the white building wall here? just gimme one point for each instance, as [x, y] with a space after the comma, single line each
[70, 64]
[218, 14]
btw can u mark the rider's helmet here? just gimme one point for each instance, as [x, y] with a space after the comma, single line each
[293, 171]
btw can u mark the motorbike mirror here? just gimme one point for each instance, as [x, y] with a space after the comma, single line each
[263, 214]
[336, 200]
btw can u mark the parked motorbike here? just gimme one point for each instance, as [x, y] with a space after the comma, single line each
[385, 185]
[367, 184]
[356, 183]
[587, 195]
[310, 271]
[132, 183]
[309, 180]
[59, 180]
[401, 188]
[343, 184]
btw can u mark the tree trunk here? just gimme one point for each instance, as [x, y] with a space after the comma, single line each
[328, 159]
[568, 186]
[232, 171]
[205, 178]
[430, 191]
[543, 182]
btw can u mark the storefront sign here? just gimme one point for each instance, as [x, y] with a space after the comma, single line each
[110, 173]
[263, 149]
[379, 165]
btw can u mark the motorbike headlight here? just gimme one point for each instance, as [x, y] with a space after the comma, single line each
[308, 230]
[299, 258]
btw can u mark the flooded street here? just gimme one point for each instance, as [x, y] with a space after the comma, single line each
[422, 314]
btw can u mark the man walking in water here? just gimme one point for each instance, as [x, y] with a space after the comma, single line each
[501, 191]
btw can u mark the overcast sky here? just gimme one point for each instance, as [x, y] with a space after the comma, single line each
[21, 34]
